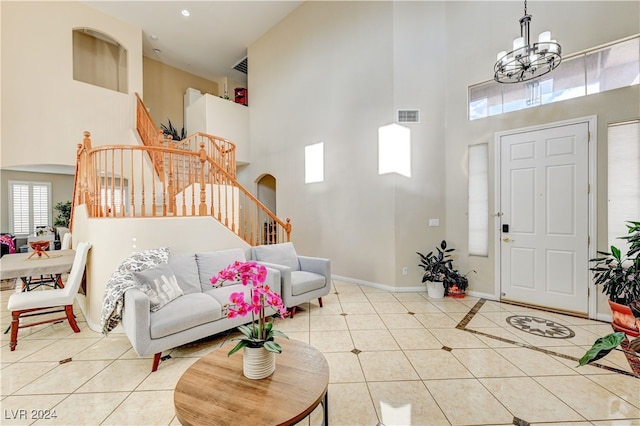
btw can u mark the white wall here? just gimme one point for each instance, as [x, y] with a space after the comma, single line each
[336, 71]
[45, 111]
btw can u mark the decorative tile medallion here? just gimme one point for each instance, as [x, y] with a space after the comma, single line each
[540, 327]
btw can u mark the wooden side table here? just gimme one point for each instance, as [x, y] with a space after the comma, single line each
[213, 390]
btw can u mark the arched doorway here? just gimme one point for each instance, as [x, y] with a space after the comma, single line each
[267, 196]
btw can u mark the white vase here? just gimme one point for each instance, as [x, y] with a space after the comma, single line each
[258, 363]
[435, 289]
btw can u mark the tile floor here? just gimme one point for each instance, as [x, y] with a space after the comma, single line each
[419, 361]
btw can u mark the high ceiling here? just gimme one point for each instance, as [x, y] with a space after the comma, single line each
[209, 42]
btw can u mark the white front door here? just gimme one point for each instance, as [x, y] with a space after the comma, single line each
[544, 205]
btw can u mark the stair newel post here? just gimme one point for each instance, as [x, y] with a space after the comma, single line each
[287, 229]
[202, 209]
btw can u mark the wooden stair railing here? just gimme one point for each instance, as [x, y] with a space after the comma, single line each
[116, 181]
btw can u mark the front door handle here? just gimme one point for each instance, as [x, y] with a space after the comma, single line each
[506, 239]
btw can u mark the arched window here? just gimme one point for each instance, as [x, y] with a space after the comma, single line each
[99, 60]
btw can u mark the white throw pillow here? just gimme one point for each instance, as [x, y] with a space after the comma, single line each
[160, 284]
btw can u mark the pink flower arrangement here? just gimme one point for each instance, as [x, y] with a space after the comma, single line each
[255, 334]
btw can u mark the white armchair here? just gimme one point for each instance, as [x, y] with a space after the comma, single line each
[303, 277]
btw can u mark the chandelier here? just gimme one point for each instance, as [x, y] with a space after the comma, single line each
[527, 61]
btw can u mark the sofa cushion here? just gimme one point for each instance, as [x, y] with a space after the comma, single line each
[160, 284]
[212, 262]
[221, 294]
[303, 282]
[279, 254]
[185, 312]
[186, 269]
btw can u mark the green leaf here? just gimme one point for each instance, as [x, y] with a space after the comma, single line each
[602, 347]
[279, 334]
[272, 346]
[247, 331]
[241, 344]
[615, 251]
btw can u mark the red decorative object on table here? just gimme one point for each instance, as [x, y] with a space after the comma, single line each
[39, 248]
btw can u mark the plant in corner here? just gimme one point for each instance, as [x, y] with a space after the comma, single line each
[258, 333]
[620, 279]
[437, 265]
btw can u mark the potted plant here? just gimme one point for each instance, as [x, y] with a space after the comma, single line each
[456, 284]
[258, 336]
[437, 266]
[620, 280]
[606, 344]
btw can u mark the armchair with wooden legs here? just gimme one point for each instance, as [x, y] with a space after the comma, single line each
[33, 303]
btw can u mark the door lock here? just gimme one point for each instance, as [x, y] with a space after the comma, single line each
[506, 239]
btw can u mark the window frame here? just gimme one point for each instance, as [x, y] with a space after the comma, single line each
[30, 184]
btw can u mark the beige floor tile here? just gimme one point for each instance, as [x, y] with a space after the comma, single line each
[374, 340]
[344, 367]
[16, 376]
[131, 354]
[486, 363]
[343, 287]
[327, 322]
[394, 321]
[85, 408]
[24, 349]
[589, 399]
[364, 322]
[47, 331]
[405, 403]
[62, 349]
[495, 336]
[64, 378]
[413, 338]
[297, 323]
[144, 408]
[381, 296]
[627, 388]
[357, 308]
[535, 363]
[480, 321]
[437, 364]
[467, 402]
[436, 320]
[350, 404]
[386, 366]
[121, 375]
[369, 289]
[448, 305]
[25, 409]
[167, 375]
[303, 336]
[409, 297]
[328, 308]
[576, 352]
[625, 422]
[529, 401]
[389, 307]
[202, 347]
[457, 338]
[331, 341]
[353, 297]
[421, 307]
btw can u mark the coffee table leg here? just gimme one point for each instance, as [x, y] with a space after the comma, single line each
[325, 408]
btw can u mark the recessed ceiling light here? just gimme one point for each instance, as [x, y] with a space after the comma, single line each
[185, 12]
[157, 51]
[153, 37]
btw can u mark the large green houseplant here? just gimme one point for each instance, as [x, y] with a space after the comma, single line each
[619, 276]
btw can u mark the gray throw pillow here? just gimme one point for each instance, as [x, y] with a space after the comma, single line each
[160, 284]
[212, 262]
[280, 254]
[186, 269]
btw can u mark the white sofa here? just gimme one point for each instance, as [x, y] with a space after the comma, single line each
[197, 313]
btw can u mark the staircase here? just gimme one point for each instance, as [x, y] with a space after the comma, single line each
[166, 178]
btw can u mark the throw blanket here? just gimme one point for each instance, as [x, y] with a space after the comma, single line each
[122, 279]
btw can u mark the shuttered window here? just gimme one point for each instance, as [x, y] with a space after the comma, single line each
[29, 206]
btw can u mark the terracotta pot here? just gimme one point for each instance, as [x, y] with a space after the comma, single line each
[258, 363]
[623, 319]
[456, 293]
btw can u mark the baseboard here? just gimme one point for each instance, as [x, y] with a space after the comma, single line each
[386, 287]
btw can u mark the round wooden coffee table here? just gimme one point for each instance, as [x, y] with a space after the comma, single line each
[213, 390]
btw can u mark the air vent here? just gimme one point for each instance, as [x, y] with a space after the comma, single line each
[408, 116]
[241, 66]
